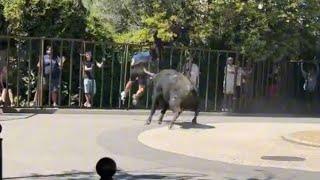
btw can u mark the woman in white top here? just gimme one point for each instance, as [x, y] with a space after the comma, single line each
[228, 84]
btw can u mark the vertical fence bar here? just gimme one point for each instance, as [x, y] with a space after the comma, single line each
[216, 84]
[263, 83]
[112, 72]
[80, 74]
[171, 52]
[121, 73]
[235, 98]
[125, 74]
[41, 73]
[70, 72]
[102, 73]
[50, 75]
[61, 71]
[179, 68]
[7, 64]
[18, 76]
[207, 85]
[29, 72]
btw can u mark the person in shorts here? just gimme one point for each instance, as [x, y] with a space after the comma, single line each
[89, 82]
[139, 63]
[51, 75]
[5, 87]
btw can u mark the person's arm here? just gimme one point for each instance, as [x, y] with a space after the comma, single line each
[99, 64]
[88, 68]
[61, 61]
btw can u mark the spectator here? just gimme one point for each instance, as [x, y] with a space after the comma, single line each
[51, 68]
[191, 70]
[89, 80]
[5, 88]
[310, 82]
[138, 74]
[228, 84]
[239, 72]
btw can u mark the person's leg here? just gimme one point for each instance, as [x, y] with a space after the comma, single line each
[3, 95]
[139, 93]
[86, 91]
[11, 97]
[54, 91]
[54, 96]
[133, 77]
[87, 96]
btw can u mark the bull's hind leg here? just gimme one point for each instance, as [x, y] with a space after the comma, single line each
[175, 117]
[163, 111]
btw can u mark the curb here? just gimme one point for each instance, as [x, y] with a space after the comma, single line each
[299, 141]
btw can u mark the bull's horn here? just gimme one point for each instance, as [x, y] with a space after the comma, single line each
[148, 72]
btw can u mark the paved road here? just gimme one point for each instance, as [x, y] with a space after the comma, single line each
[67, 146]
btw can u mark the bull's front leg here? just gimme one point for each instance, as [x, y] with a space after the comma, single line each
[153, 110]
[196, 113]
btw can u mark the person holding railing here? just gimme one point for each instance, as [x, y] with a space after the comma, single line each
[310, 83]
[5, 88]
[139, 63]
[228, 84]
[191, 71]
[51, 69]
[89, 80]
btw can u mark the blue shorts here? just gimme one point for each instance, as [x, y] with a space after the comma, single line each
[89, 86]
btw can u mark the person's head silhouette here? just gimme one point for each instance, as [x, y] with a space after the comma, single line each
[106, 168]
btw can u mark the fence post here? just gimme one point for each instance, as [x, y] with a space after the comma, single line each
[0, 153]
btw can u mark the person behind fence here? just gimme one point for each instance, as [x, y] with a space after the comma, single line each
[5, 87]
[51, 75]
[239, 72]
[89, 82]
[310, 81]
[192, 72]
[228, 84]
[139, 63]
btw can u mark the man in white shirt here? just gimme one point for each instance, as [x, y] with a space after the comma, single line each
[191, 70]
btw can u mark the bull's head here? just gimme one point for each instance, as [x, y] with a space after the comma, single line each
[150, 74]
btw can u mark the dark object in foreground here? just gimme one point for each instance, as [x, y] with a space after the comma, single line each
[172, 90]
[106, 168]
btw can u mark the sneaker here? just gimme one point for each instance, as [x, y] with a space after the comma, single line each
[55, 105]
[134, 99]
[123, 96]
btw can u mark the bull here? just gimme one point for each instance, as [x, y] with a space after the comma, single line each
[172, 90]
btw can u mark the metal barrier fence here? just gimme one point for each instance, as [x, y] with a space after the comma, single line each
[255, 83]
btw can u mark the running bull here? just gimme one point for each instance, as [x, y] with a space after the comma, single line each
[172, 90]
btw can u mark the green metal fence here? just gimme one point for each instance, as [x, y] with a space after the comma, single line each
[21, 55]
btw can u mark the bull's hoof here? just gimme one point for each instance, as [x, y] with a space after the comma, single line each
[159, 122]
[194, 121]
[170, 126]
[147, 122]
